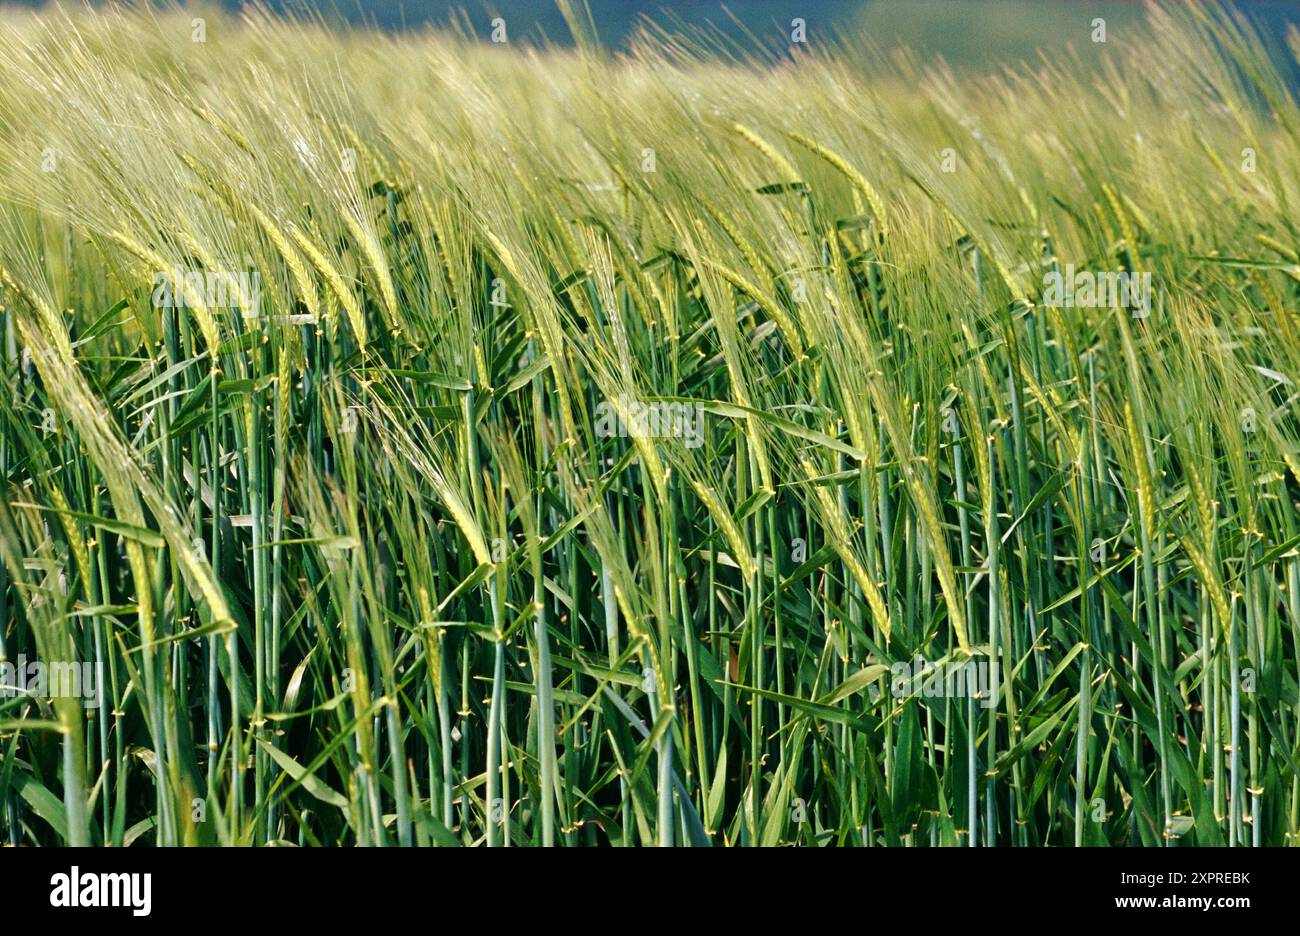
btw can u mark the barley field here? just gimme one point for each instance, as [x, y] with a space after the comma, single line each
[410, 440]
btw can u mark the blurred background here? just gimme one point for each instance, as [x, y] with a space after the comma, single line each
[967, 33]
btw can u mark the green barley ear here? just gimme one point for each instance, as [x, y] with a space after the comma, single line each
[76, 542]
[919, 480]
[840, 537]
[1278, 247]
[1145, 485]
[784, 167]
[1203, 504]
[771, 308]
[226, 128]
[369, 244]
[338, 286]
[861, 187]
[193, 301]
[742, 242]
[1209, 576]
[303, 281]
[1121, 217]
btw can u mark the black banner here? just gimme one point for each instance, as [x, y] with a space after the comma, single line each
[146, 886]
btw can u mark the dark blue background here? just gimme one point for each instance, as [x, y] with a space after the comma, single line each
[968, 33]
